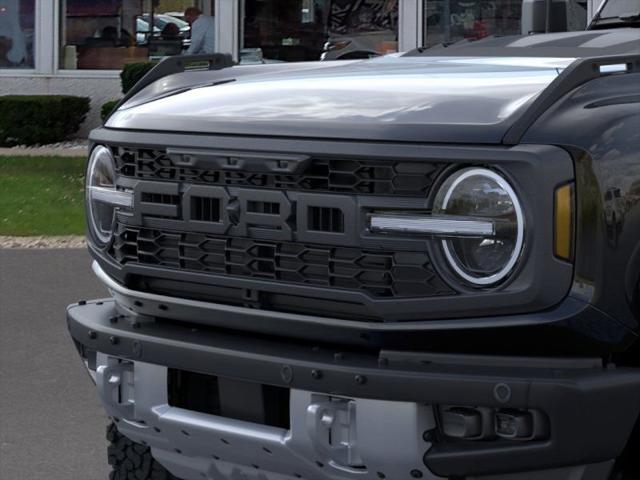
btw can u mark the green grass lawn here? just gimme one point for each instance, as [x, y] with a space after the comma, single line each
[41, 196]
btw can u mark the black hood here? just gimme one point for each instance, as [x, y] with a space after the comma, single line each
[419, 97]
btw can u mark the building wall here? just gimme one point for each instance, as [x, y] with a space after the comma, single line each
[100, 90]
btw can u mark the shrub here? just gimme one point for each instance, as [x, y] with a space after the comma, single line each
[132, 73]
[107, 108]
[40, 119]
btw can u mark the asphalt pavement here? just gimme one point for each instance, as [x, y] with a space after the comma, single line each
[52, 426]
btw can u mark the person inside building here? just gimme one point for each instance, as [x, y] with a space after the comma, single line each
[202, 32]
[169, 43]
[110, 35]
[13, 46]
[170, 32]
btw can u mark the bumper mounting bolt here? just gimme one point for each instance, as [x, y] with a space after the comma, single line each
[114, 340]
[316, 374]
[502, 392]
[92, 335]
[286, 373]
[137, 349]
[82, 303]
[416, 473]
[360, 379]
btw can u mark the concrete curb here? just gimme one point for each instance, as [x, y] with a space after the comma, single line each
[43, 152]
[61, 242]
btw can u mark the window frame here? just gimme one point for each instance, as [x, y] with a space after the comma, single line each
[228, 29]
[410, 25]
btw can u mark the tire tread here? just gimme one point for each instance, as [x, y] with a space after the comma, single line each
[132, 461]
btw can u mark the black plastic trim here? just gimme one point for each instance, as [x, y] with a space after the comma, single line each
[172, 65]
[578, 73]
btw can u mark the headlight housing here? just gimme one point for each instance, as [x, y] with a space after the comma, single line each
[102, 195]
[487, 258]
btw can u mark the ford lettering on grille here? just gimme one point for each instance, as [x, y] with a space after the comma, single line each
[249, 213]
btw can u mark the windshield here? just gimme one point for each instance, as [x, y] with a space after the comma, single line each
[617, 13]
[618, 8]
[160, 21]
[142, 26]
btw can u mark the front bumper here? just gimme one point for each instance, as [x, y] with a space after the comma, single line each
[591, 411]
[571, 328]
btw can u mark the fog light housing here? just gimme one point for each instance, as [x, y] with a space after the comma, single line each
[514, 424]
[483, 195]
[460, 422]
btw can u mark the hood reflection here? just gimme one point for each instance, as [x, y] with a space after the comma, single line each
[399, 91]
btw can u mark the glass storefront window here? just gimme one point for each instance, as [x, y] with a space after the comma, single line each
[17, 20]
[304, 30]
[615, 8]
[107, 34]
[448, 21]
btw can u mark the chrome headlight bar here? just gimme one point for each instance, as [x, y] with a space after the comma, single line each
[431, 225]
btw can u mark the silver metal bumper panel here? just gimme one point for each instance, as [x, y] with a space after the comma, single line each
[330, 437]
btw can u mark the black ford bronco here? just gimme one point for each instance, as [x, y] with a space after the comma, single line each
[421, 266]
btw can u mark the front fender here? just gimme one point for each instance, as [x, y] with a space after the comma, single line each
[598, 122]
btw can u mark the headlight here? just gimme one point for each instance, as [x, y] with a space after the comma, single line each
[482, 195]
[336, 45]
[103, 198]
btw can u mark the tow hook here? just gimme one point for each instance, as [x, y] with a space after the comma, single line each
[331, 424]
[115, 383]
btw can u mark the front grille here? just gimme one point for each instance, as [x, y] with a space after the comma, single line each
[324, 219]
[268, 208]
[160, 198]
[245, 228]
[205, 209]
[378, 273]
[374, 177]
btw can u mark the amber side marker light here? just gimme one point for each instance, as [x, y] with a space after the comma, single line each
[564, 222]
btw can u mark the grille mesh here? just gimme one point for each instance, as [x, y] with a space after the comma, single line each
[323, 174]
[205, 209]
[379, 273]
[323, 219]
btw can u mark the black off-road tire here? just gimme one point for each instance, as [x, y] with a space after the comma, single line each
[132, 461]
